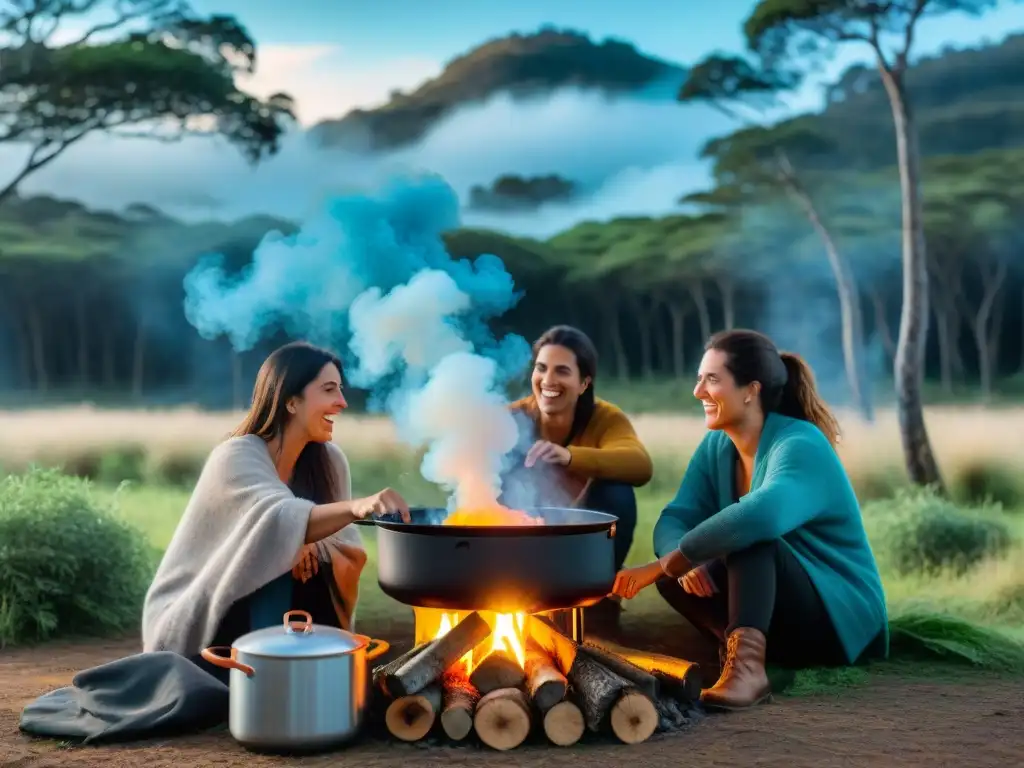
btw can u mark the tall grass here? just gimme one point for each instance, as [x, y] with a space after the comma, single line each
[160, 452]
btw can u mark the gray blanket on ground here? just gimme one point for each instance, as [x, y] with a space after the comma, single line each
[140, 696]
[243, 527]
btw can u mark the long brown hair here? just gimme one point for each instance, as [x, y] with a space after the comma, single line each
[577, 342]
[787, 382]
[284, 375]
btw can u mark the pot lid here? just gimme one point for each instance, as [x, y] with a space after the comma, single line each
[298, 637]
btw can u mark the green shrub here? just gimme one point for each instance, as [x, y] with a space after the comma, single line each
[918, 531]
[979, 483]
[180, 469]
[68, 564]
[111, 465]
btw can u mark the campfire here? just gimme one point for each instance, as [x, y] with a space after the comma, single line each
[501, 675]
[480, 665]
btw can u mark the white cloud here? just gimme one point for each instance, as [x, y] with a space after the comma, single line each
[327, 83]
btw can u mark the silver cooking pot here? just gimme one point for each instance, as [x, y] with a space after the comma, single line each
[300, 686]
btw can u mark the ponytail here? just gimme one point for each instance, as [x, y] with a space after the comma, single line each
[800, 398]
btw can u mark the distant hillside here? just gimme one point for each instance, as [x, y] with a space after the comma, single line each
[515, 193]
[518, 64]
[964, 101]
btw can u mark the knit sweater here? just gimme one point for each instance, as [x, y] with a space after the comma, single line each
[606, 449]
[799, 493]
[242, 528]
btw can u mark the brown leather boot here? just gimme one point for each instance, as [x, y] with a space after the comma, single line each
[743, 682]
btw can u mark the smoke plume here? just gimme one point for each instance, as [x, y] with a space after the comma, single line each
[370, 275]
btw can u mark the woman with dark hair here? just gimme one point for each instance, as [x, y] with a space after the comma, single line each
[583, 451]
[271, 510]
[763, 548]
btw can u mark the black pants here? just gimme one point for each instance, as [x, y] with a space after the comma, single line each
[283, 594]
[763, 587]
[617, 499]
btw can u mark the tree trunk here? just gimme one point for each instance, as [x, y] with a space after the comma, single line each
[727, 289]
[679, 339]
[942, 323]
[82, 335]
[981, 325]
[642, 314]
[614, 331]
[919, 457]
[882, 326]
[850, 316]
[35, 331]
[703, 313]
[138, 359]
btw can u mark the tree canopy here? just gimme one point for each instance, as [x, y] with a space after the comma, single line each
[174, 78]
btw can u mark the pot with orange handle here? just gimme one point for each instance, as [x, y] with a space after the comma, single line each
[299, 686]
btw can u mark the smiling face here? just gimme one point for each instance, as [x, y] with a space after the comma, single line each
[556, 380]
[321, 401]
[725, 403]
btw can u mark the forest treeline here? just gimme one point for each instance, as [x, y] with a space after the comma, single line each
[93, 301]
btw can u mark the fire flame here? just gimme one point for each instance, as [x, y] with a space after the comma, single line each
[491, 515]
[507, 637]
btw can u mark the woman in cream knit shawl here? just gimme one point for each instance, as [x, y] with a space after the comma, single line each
[268, 528]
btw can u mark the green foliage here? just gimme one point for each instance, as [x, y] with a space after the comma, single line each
[68, 564]
[919, 532]
[985, 483]
[936, 637]
[159, 68]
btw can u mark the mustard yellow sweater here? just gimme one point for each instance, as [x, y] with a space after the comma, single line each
[606, 449]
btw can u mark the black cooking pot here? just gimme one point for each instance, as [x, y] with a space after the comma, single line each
[567, 562]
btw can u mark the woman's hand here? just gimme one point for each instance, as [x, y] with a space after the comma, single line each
[382, 503]
[699, 582]
[547, 452]
[308, 565]
[629, 582]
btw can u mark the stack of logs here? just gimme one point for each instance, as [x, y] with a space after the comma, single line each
[569, 687]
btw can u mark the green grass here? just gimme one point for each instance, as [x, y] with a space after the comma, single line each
[941, 625]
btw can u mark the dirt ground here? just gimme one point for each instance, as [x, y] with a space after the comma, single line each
[889, 722]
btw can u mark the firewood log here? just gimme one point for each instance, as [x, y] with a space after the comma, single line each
[545, 682]
[381, 671]
[458, 703]
[425, 668]
[677, 677]
[633, 718]
[563, 723]
[497, 670]
[621, 666]
[411, 717]
[502, 719]
[597, 687]
[549, 637]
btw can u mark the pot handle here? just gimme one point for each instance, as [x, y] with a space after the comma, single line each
[375, 648]
[226, 662]
[304, 626]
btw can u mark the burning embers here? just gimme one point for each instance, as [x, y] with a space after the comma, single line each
[496, 674]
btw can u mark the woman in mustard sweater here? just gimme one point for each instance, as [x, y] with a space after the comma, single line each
[763, 547]
[579, 450]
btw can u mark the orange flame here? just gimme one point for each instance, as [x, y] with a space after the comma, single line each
[507, 637]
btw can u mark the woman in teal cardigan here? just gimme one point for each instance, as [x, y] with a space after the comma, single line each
[763, 547]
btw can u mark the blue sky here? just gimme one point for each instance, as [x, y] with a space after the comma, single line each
[343, 53]
[638, 156]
